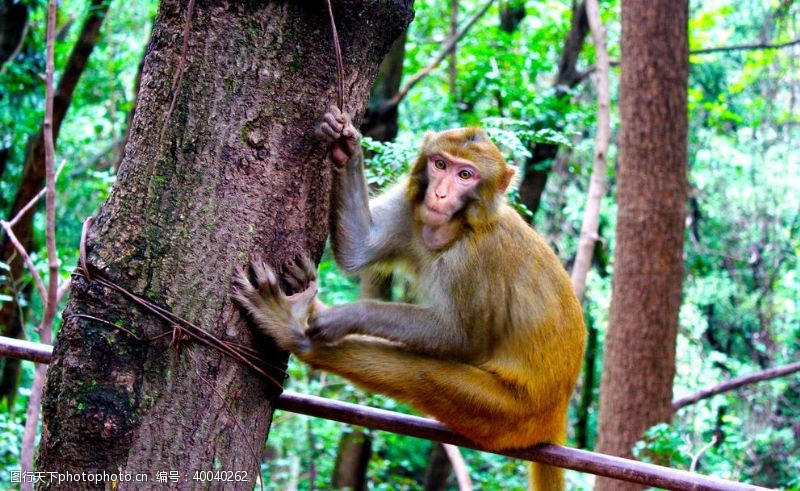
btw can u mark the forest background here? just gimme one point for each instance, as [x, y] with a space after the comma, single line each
[741, 301]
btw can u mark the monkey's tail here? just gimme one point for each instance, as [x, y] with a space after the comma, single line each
[545, 477]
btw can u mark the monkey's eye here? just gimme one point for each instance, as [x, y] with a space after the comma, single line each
[465, 174]
[440, 164]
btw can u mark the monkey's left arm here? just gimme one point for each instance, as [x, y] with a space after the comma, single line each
[418, 327]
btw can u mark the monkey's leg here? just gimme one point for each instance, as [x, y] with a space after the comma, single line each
[477, 403]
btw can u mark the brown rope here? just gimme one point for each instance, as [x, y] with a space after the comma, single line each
[339, 64]
[181, 330]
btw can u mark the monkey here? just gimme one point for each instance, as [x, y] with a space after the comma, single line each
[495, 345]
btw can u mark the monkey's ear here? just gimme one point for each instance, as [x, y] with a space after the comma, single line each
[510, 179]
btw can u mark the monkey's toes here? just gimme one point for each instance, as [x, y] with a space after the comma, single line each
[266, 279]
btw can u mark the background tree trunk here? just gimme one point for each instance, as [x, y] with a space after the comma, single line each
[536, 166]
[32, 182]
[229, 171]
[352, 459]
[439, 469]
[636, 389]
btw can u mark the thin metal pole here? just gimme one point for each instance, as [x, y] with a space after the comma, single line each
[404, 424]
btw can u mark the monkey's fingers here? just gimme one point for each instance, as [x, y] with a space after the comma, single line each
[310, 268]
[296, 276]
[334, 122]
[266, 279]
[328, 326]
[333, 109]
[327, 133]
[243, 291]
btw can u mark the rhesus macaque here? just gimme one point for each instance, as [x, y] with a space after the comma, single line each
[494, 347]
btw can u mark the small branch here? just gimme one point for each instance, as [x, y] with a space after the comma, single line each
[33, 200]
[20, 44]
[64, 289]
[446, 48]
[19, 349]
[51, 305]
[745, 47]
[26, 258]
[459, 467]
[597, 182]
[404, 424]
[696, 456]
[735, 383]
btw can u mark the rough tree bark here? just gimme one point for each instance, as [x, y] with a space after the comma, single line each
[33, 174]
[636, 389]
[230, 171]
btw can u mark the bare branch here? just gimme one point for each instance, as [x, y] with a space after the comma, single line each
[46, 326]
[745, 47]
[33, 200]
[64, 289]
[446, 48]
[459, 467]
[735, 383]
[26, 258]
[597, 182]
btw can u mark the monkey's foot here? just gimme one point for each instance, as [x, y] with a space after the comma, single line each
[280, 317]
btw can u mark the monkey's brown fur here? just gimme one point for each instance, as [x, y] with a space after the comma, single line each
[494, 348]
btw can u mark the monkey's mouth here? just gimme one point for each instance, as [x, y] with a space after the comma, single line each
[433, 217]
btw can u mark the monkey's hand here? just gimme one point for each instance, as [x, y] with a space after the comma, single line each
[334, 323]
[337, 130]
[279, 316]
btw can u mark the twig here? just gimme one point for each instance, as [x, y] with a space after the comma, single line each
[597, 182]
[246, 358]
[446, 48]
[21, 43]
[26, 258]
[34, 200]
[45, 328]
[459, 467]
[696, 456]
[745, 47]
[737, 382]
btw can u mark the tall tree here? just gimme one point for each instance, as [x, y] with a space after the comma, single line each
[536, 166]
[636, 389]
[33, 174]
[221, 165]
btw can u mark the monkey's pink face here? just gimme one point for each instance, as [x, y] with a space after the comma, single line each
[451, 181]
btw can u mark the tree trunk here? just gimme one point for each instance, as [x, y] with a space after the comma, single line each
[536, 168]
[439, 469]
[227, 171]
[380, 120]
[31, 183]
[636, 389]
[352, 458]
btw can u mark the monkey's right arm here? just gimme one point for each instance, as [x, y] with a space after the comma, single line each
[362, 232]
